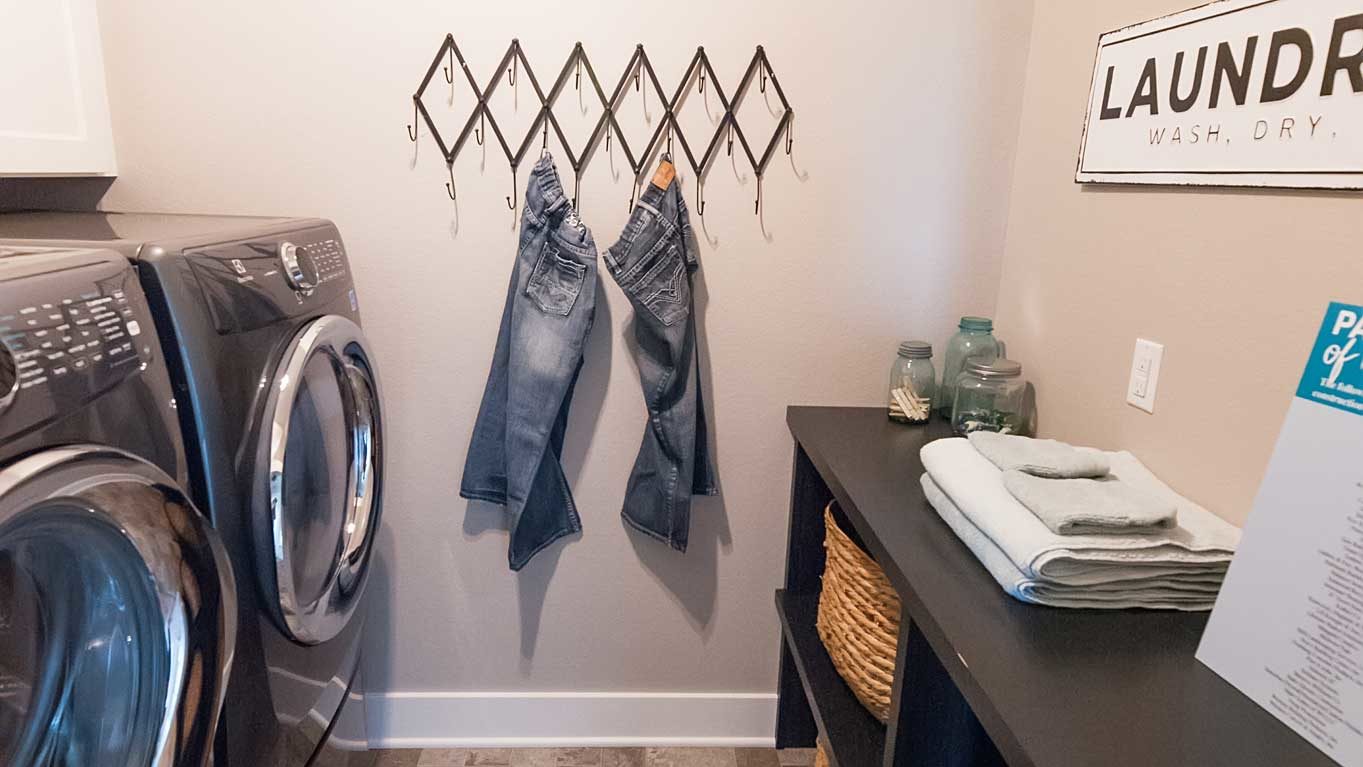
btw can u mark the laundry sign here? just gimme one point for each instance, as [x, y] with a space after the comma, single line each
[1233, 93]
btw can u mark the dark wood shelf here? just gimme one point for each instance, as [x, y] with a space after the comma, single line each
[1046, 687]
[854, 737]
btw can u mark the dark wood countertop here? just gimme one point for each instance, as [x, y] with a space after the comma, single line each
[1051, 686]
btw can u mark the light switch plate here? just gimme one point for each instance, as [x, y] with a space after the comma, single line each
[1144, 381]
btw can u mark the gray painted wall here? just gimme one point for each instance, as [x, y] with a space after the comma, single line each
[888, 223]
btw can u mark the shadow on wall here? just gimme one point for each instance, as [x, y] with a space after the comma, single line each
[693, 577]
[379, 619]
[588, 400]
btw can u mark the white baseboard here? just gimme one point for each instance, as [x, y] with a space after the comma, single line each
[553, 719]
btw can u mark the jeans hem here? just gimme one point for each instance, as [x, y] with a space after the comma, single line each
[516, 566]
[654, 534]
[481, 495]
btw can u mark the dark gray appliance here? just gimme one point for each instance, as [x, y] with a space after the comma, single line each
[117, 603]
[279, 403]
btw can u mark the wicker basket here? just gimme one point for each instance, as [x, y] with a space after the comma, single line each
[858, 619]
[820, 754]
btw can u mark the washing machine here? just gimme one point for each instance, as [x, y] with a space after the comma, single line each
[279, 403]
[117, 601]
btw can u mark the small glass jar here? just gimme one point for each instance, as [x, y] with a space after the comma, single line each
[990, 396]
[913, 383]
[974, 339]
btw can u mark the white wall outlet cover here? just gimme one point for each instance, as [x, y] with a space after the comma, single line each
[1144, 381]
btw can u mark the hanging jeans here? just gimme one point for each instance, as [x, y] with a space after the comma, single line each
[513, 458]
[653, 263]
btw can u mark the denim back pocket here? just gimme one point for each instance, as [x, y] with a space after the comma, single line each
[556, 282]
[665, 289]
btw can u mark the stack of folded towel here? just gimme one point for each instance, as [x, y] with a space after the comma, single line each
[1074, 527]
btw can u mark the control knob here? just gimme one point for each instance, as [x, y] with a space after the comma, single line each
[9, 377]
[299, 269]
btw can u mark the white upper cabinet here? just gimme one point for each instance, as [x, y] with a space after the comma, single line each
[54, 112]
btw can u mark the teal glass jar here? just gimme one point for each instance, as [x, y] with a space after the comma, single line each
[974, 338]
[990, 396]
[913, 383]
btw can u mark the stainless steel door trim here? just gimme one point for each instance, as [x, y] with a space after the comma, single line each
[344, 345]
[164, 528]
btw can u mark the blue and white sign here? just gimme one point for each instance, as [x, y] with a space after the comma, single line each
[1288, 626]
[1334, 374]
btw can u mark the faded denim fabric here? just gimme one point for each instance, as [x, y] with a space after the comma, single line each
[653, 263]
[513, 457]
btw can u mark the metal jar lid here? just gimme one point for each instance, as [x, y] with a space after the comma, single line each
[995, 368]
[915, 350]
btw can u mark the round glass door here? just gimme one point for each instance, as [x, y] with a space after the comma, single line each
[323, 450]
[115, 603]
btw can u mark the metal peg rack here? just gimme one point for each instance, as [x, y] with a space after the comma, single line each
[514, 65]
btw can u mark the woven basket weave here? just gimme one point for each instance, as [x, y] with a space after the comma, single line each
[820, 754]
[858, 619]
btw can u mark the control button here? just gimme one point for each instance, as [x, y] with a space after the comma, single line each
[29, 384]
[96, 357]
[134, 329]
[30, 373]
[59, 372]
[47, 345]
[56, 355]
[80, 363]
[77, 349]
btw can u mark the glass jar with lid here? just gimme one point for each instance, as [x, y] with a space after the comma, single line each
[913, 383]
[975, 338]
[990, 396]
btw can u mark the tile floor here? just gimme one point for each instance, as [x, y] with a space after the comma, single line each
[598, 757]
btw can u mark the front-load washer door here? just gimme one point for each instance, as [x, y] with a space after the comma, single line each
[320, 503]
[117, 615]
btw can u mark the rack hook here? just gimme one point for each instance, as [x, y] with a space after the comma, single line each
[730, 149]
[449, 185]
[633, 192]
[790, 128]
[702, 77]
[577, 78]
[757, 199]
[412, 126]
[544, 149]
[700, 196]
[762, 81]
[449, 69]
[513, 197]
[478, 132]
[511, 73]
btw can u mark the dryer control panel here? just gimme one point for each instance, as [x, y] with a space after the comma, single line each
[72, 325]
[251, 284]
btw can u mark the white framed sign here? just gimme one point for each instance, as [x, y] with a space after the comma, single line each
[1233, 93]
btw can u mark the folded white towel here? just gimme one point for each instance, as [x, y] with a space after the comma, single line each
[1187, 593]
[1201, 543]
[1040, 457]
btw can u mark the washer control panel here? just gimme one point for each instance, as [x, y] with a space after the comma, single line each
[77, 326]
[247, 285]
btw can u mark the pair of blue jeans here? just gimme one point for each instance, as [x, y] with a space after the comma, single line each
[653, 264]
[514, 455]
